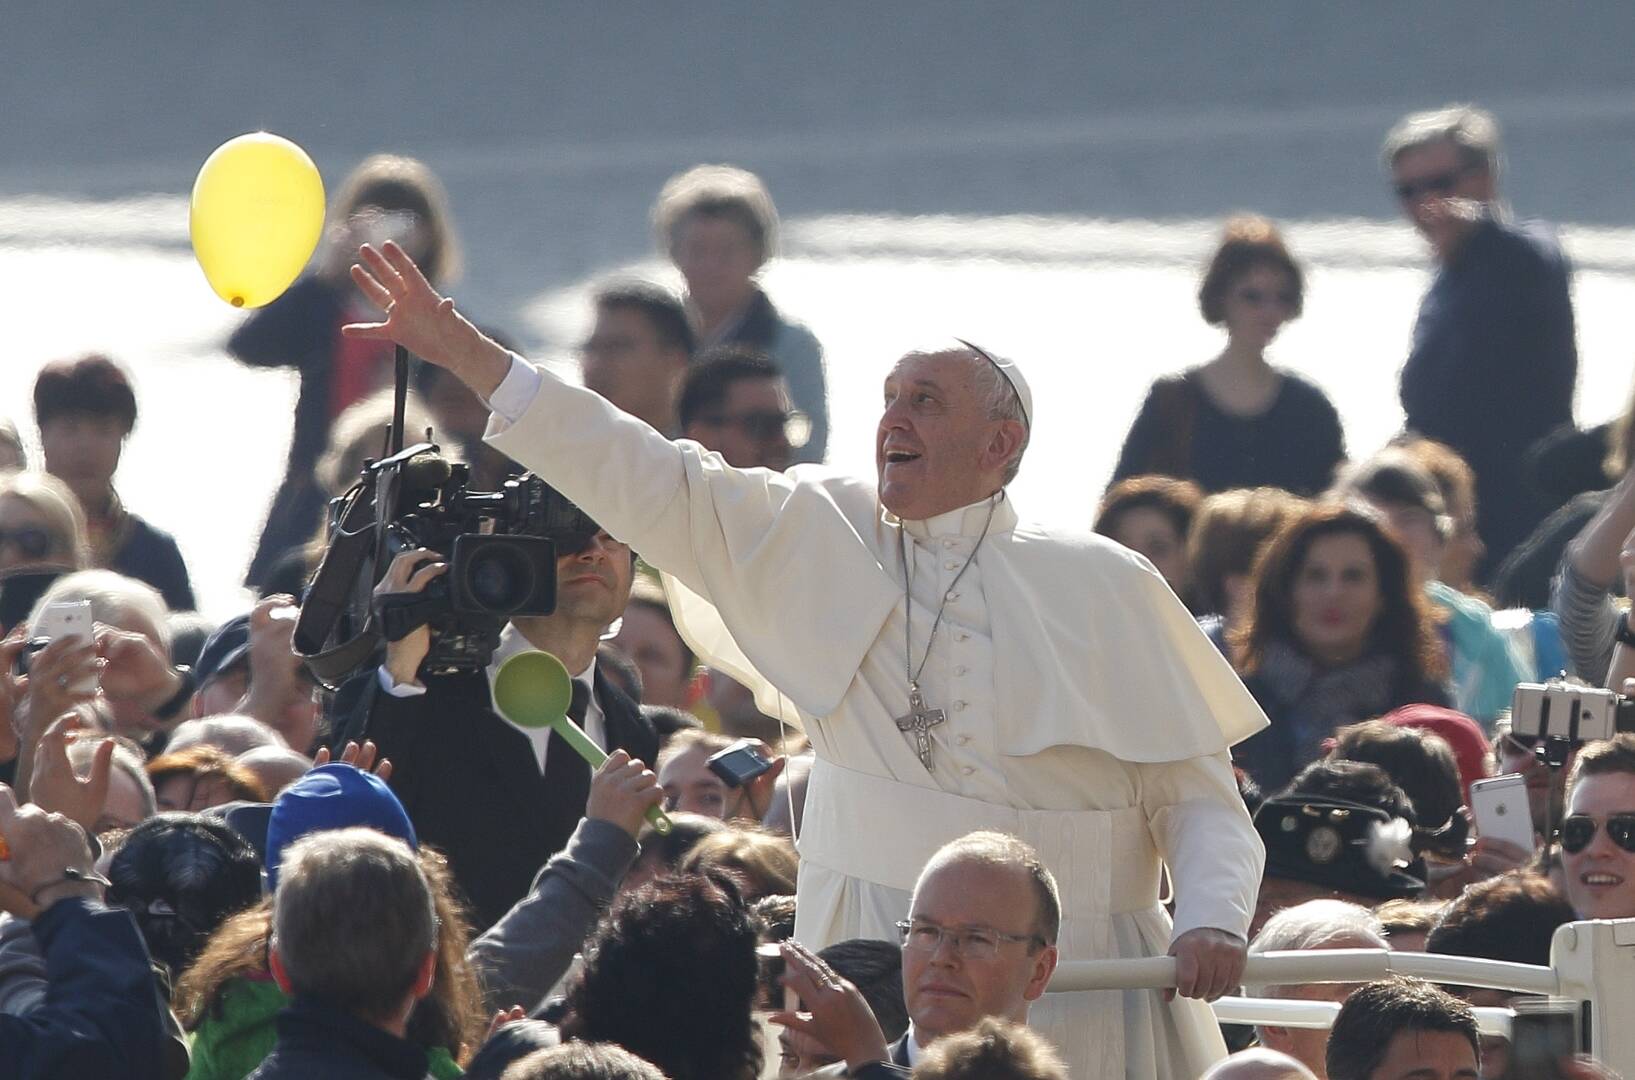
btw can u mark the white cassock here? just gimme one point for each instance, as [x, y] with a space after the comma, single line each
[1085, 711]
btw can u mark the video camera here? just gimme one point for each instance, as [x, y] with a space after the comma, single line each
[1558, 709]
[501, 548]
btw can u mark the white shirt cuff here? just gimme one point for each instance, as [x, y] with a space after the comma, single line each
[397, 689]
[516, 391]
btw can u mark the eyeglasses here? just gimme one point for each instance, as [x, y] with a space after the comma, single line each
[793, 425]
[969, 942]
[1260, 297]
[31, 540]
[1578, 830]
[1440, 184]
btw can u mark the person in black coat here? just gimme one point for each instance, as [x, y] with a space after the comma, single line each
[102, 1014]
[1494, 364]
[497, 799]
[354, 943]
[385, 196]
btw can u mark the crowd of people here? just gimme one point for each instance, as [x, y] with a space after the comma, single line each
[1277, 673]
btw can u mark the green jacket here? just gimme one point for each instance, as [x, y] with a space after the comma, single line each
[232, 1041]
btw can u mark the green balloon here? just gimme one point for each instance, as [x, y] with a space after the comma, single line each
[532, 690]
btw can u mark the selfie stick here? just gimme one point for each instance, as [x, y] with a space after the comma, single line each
[532, 690]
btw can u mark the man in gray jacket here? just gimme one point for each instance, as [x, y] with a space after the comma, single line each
[521, 957]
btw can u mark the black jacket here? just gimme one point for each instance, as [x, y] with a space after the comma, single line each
[472, 785]
[319, 1042]
[151, 555]
[102, 1015]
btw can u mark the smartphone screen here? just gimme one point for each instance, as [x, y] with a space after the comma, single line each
[1543, 1032]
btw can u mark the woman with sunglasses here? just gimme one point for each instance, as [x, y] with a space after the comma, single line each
[41, 525]
[1237, 421]
[1598, 833]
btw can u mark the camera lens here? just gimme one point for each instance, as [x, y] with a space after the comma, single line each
[499, 578]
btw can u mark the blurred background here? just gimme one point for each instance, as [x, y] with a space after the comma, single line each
[1044, 178]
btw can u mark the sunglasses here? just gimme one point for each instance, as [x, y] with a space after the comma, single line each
[1260, 297]
[1578, 830]
[33, 541]
[1441, 184]
[763, 426]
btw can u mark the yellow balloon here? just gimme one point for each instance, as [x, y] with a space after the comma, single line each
[256, 215]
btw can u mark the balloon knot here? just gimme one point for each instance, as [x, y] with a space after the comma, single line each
[237, 301]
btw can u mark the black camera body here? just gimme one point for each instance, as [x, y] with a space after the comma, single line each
[501, 548]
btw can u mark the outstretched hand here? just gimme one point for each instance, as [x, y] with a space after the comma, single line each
[359, 757]
[56, 788]
[424, 321]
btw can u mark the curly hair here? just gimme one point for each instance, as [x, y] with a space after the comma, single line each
[993, 1050]
[1403, 630]
[690, 931]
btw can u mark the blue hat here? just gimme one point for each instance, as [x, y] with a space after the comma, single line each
[225, 647]
[333, 796]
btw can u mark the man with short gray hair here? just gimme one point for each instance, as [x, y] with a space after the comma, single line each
[1316, 924]
[354, 941]
[1493, 364]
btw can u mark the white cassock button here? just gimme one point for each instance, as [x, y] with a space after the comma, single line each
[963, 740]
[959, 669]
[962, 636]
[968, 770]
[959, 706]
[950, 543]
[950, 565]
[953, 597]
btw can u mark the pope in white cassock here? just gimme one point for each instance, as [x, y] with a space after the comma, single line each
[955, 668]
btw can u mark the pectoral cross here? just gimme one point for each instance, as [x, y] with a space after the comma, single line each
[920, 720]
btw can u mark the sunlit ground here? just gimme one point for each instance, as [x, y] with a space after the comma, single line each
[1092, 311]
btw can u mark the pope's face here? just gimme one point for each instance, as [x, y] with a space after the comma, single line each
[936, 448]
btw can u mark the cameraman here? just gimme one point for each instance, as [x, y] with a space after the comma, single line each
[499, 799]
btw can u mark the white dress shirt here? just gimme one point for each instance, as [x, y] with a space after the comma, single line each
[511, 643]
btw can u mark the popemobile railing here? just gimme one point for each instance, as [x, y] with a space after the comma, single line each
[1591, 962]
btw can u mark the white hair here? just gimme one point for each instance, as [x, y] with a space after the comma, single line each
[1315, 924]
[127, 759]
[1258, 1063]
[116, 600]
[1471, 130]
[231, 733]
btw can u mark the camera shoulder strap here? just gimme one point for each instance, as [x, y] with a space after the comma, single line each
[351, 547]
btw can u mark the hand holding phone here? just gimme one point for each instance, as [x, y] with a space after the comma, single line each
[65, 620]
[1500, 808]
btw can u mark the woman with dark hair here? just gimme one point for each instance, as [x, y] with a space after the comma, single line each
[387, 197]
[1237, 421]
[1153, 515]
[1339, 633]
[86, 410]
[671, 976]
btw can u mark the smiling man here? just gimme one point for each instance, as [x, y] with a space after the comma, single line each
[956, 669]
[1598, 833]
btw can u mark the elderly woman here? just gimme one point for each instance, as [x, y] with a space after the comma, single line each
[1339, 633]
[718, 225]
[386, 197]
[1237, 421]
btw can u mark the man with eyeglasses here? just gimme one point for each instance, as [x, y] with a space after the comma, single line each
[1598, 833]
[1493, 365]
[736, 403]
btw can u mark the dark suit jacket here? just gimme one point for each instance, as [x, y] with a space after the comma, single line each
[874, 1070]
[472, 785]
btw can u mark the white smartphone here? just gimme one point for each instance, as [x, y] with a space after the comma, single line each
[1500, 809]
[66, 619]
